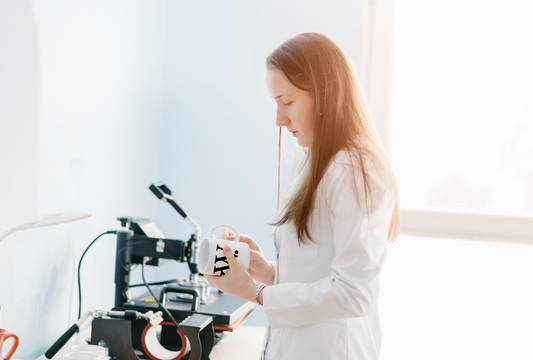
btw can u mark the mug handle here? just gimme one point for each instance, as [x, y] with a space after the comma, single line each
[4, 337]
[235, 231]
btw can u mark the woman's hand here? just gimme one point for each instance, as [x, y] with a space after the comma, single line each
[236, 281]
[260, 269]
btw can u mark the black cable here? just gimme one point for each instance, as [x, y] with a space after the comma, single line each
[152, 283]
[133, 243]
[156, 283]
[150, 290]
[123, 265]
[79, 267]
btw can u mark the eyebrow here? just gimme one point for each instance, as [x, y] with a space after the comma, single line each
[277, 97]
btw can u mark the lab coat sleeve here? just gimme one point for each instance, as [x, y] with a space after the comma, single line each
[275, 264]
[360, 242]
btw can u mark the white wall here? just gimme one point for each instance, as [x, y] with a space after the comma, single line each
[99, 99]
[80, 110]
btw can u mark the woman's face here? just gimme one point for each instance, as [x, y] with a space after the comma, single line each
[294, 106]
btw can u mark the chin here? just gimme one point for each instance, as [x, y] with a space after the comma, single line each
[303, 144]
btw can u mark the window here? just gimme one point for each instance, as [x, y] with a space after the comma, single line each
[462, 104]
[459, 125]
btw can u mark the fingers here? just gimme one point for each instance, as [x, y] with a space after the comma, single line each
[251, 243]
[211, 279]
[246, 239]
[254, 253]
[227, 233]
[214, 280]
[228, 253]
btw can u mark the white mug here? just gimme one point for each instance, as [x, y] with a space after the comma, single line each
[211, 259]
[82, 356]
[92, 349]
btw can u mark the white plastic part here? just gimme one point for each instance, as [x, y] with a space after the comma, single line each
[82, 319]
[49, 220]
[81, 356]
[90, 349]
[56, 219]
[196, 227]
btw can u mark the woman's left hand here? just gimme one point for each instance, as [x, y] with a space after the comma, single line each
[236, 282]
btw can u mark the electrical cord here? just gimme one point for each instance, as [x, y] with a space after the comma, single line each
[79, 267]
[124, 265]
[152, 283]
[155, 283]
[145, 259]
[129, 245]
[165, 282]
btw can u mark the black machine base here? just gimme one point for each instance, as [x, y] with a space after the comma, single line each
[224, 309]
[117, 334]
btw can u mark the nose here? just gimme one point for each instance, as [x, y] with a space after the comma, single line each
[281, 118]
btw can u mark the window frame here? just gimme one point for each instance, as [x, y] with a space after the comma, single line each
[376, 79]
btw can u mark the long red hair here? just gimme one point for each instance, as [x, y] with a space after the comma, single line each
[341, 121]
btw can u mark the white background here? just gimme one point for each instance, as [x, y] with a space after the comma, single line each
[462, 109]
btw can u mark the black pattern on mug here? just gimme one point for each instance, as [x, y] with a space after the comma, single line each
[224, 260]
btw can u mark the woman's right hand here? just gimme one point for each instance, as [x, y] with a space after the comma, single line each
[260, 268]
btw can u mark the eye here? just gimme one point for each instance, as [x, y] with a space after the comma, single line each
[287, 104]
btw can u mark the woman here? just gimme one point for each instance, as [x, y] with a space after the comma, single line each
[331, 232]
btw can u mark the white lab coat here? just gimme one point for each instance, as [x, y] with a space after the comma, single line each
[323, 304]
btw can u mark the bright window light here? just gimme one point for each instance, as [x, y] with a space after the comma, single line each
[462, 108]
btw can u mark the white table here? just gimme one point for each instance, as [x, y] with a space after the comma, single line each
[244, 343]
